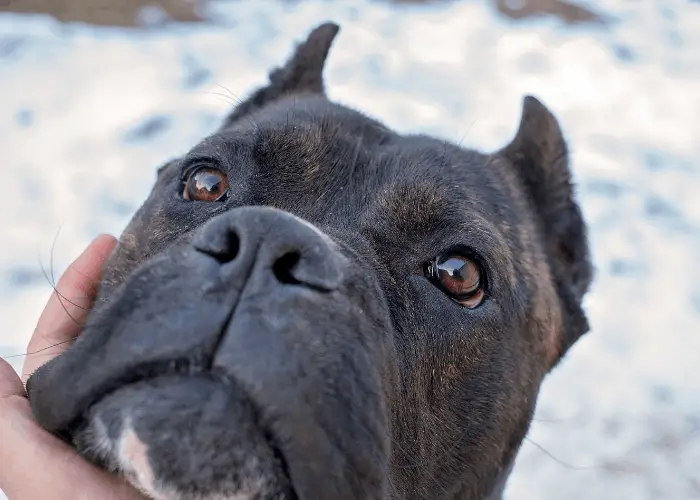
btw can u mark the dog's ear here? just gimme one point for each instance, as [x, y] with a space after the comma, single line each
[539, 155]
[303, 73]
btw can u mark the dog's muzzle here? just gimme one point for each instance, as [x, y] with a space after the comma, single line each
[247, 360]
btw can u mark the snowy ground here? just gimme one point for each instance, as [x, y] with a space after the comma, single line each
[86, 114]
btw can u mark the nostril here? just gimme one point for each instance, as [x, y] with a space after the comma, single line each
[224, 246]
[284, 266]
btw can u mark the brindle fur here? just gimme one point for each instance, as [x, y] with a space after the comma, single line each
[349, 375]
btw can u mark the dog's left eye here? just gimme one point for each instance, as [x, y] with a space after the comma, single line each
[458, 276]
[205, 184]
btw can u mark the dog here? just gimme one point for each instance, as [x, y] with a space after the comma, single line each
[310, 305]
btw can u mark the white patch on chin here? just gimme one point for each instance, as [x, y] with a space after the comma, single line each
[132, 454]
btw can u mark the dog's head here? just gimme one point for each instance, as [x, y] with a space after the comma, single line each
[311, 305]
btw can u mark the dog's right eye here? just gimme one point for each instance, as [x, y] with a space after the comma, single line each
[205, 184]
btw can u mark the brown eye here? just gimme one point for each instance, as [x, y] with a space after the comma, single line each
[460, 277]
[205, 184]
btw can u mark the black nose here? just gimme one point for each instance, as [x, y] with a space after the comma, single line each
[277, 247]
[267, 309]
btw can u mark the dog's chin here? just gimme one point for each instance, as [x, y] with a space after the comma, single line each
[184, 438]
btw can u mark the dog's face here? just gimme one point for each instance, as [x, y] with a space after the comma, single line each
[310, 305]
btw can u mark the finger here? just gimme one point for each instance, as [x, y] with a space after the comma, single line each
[10, 384]
[34, 464]
[68, 306]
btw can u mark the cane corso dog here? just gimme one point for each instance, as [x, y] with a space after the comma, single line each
[311, 305]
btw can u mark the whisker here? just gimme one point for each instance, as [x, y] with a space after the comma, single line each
[39, 351]
[558, 460]
[55, 289]
[221, 97]
[231, 94]
[51, 279]
[466, 133]
[61, 297]
[225, 97]
[53, 250]
[250, 119]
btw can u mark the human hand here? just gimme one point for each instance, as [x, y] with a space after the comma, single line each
[33, 463]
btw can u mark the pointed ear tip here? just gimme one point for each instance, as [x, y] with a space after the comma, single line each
[328, 29]
[532, 103]
[533, 108]
[330, 25]
[536, 121]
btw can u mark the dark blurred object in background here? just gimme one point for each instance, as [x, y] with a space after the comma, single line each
[131, 12]
[107, 12]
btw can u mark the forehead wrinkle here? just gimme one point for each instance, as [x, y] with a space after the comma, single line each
[411, 204]
[300, 140]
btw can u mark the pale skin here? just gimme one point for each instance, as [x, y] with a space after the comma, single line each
[33, 463]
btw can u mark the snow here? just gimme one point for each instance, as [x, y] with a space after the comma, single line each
[620, 417]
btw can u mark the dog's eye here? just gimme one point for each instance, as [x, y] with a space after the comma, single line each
[205, 184]
[458, 276]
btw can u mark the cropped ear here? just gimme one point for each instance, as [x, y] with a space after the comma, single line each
[540, 157]
[303, 73]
